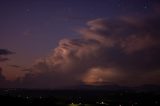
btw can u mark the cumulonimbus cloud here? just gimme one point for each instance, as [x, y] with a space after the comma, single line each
[124, 51]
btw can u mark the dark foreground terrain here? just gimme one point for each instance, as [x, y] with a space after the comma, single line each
[79, 97]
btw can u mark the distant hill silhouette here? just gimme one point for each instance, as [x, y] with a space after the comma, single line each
[115, 87]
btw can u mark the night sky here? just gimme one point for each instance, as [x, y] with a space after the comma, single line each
[61, 43]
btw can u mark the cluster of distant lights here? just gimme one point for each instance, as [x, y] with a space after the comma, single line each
[76, 104]
[101, 103]
[73, 103]
[105, 103]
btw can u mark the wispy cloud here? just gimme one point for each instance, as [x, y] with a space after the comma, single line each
[15, 66]
[3, 53]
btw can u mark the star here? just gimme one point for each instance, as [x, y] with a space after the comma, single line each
[27, 10]
[119, 5]
[145, 7]
[147, 4]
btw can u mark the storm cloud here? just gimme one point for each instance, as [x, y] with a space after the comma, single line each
[123, 51]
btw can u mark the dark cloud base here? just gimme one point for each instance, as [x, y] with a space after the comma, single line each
[4, 52]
